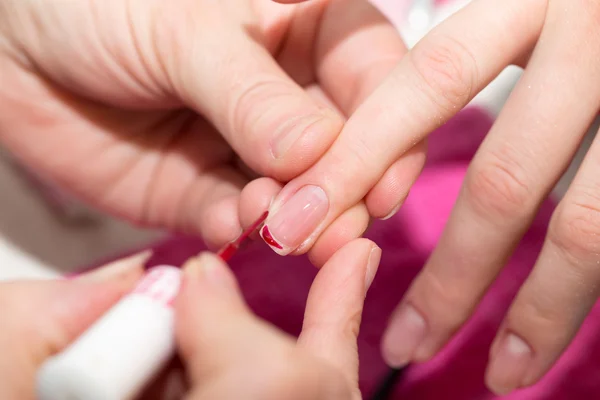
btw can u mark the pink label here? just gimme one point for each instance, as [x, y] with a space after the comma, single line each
[161, 284]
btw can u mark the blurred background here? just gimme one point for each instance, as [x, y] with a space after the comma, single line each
[44, 233]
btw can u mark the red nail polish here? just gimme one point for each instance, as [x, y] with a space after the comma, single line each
[229, 250]
[268, 238]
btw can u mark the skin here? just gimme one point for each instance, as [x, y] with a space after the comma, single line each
[164, 112]
[28, 336]
[117, 105]
[219, 362]
[524, 154]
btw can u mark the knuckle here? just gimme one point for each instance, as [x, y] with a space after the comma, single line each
[449, 305]
[497, 187]
[575, 226]
[448, 71]
[249, 110]
[358, 164]
[541, 319]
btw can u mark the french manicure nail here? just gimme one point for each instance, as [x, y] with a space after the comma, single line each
[508, 365]
[117, 269]
[295, 128]
[296, 220]
[404, 335]
[372, 265]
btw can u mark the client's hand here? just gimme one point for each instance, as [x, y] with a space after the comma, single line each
[227, 351]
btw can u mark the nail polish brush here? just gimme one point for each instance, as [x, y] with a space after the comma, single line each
[232, 247]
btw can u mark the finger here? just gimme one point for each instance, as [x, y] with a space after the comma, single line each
[269, 120]
[80, 301]
[387, 196]
[213, 203]
[211, 314]
[335, 304]
[317, 93]
[433, 82]
[559, 293]
[351, 225]
[228, 352]
[193, 187]
[543, 120]
[256, 198]
[356, 49]
[41, 318]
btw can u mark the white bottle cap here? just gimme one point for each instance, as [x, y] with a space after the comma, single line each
[120, 353]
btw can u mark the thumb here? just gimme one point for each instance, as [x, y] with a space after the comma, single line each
[231, 354]
[211, 313]
[231, 77]
[40, 318]
[211, 56]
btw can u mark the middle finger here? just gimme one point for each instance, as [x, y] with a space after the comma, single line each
[426, 88]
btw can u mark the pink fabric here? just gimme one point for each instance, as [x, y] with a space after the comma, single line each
[276, 287]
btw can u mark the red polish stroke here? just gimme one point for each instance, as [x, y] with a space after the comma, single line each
[232, 247]
[266, 234]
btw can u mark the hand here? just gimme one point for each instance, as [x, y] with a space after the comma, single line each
[231, 354]
[146, 108]
[224, 347]
[40, 318]
[525, 153]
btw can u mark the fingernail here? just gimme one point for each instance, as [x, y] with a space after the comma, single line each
[509, 365]
[293, 223]
[208, 268]
[404, 335]
[372, 265]
[119, 269]
[393, 212]
[295, 128]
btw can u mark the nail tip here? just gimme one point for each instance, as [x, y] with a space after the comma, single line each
[392, 213]
[268, 238]
[132, 264]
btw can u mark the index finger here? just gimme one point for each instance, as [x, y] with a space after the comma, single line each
[431, 83]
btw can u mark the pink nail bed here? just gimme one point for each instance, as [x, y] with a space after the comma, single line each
[296, 220]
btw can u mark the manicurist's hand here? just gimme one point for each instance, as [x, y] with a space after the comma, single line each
[230, 354]
[40, 318]
[527, 150]
[163, 111]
